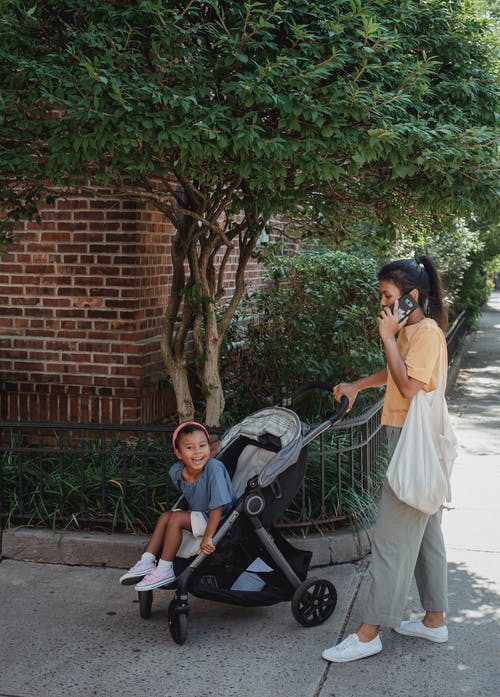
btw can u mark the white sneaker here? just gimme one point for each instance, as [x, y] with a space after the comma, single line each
[352, 649]
[418, 629]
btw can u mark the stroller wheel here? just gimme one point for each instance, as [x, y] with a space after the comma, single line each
[314, 601]
[145, 602]
[178, 620]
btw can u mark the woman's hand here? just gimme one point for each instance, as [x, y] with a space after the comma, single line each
[346, 389]
[388, 325]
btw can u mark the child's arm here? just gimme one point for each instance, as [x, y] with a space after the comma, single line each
[207, 545]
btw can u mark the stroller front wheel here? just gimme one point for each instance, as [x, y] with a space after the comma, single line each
[314, 601]
[145, 603]
[178, 620]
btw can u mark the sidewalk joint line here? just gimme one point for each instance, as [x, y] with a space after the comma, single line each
[362, 569]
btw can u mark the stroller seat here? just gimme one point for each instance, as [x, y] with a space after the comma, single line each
[250, 463]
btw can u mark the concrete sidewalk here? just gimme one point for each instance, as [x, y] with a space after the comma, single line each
[72, 631]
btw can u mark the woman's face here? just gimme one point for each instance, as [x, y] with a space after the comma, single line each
[389, 293]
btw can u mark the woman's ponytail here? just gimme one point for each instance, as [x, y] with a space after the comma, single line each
[435, 300]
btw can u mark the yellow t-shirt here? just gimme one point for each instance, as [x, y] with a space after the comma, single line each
[419, 345]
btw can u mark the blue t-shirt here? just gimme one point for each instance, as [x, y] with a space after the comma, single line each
[212, 489]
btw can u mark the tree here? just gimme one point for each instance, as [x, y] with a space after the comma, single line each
[222, 114]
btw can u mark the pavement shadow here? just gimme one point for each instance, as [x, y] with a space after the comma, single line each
[473, 599]
[410, 667]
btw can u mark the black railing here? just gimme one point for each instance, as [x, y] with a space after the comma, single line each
[115, 477]
[456, 334]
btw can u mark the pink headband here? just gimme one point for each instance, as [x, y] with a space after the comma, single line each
[188, 423]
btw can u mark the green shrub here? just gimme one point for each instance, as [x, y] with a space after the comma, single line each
[478, 282]
[315, 321]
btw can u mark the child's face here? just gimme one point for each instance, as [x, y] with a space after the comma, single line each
[193, 449]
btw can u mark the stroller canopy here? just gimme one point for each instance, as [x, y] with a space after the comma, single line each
[285, 428]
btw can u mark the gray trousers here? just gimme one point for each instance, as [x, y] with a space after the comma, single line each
[405, 542]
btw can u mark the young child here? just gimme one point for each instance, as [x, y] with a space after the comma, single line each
[206, 485]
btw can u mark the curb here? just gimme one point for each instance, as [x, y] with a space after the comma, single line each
[119, 551]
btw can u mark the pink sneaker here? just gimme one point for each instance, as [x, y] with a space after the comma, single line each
[155, 579]
[139, 570]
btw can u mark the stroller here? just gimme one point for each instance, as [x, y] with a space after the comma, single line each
[253, 564]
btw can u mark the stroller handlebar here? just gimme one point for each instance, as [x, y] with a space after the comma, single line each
[330, 419]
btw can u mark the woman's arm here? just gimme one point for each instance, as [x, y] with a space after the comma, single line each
[351, 389]
[388, 328]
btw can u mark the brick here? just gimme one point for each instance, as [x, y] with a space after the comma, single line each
[11, 311]
[85, 216]
[29, 301]
[89, 281]
[55, 302]
[103, 204]
[88, 302]
[103, 227]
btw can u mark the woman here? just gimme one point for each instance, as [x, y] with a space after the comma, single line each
[405, 540]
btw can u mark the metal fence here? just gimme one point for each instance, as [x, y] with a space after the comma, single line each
[115, 477]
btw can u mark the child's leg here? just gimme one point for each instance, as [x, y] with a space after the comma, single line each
[172, 538]
[155, 544]
[147, 562]
[171, 527]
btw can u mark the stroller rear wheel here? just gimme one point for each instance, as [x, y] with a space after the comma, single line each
[314, 601]
[145, 603]
[178, 620]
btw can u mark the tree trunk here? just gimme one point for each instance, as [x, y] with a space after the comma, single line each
[215, 400]
[178, 373]
[180, 383]
[197, 288]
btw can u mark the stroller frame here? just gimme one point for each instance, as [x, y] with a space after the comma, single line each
[313, 599]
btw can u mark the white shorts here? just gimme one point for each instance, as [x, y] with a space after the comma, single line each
[198, 523]
[190, 544]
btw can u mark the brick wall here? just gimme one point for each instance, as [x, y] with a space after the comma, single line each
[82, 296]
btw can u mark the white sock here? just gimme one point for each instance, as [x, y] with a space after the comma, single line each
[148, 556]
[164, 565]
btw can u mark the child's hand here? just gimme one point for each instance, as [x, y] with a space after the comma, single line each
[207, 546]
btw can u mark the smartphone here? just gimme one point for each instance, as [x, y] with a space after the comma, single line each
[406, 306]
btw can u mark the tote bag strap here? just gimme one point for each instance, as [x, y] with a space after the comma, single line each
[440, 377]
